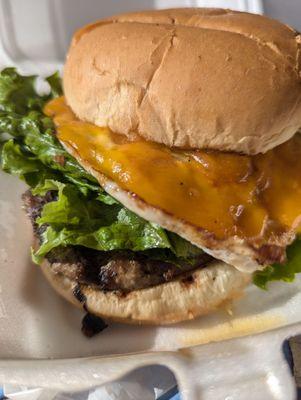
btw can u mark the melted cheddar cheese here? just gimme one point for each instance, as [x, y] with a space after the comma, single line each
[225, 194]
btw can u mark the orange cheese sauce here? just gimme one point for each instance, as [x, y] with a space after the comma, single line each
[224, 193]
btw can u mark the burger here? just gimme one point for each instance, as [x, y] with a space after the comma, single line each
[167, 175]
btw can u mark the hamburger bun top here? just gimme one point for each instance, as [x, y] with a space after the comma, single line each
[191, 78]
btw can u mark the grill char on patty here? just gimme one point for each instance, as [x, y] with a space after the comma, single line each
[122, 271]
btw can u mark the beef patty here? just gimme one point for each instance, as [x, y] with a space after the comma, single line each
[122, 271]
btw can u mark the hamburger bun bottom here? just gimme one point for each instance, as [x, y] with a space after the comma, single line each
[168, 303]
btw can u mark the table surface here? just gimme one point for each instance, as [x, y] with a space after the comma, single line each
[288, 11]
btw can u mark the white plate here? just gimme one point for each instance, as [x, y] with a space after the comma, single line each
[36, 324]
[51, 327]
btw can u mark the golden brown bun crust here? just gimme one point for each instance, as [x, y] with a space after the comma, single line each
[194, 78]
[168, 303]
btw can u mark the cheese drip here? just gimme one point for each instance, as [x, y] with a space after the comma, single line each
[254, 197]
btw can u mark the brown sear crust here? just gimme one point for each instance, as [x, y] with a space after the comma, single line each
[121, 271]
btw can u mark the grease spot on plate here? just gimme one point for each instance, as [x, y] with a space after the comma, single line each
[231, 329]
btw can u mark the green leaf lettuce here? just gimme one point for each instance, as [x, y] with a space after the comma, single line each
[281, 272]
[82, 214]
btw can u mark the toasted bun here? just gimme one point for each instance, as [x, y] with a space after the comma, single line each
[194, 78]
[163, 304]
